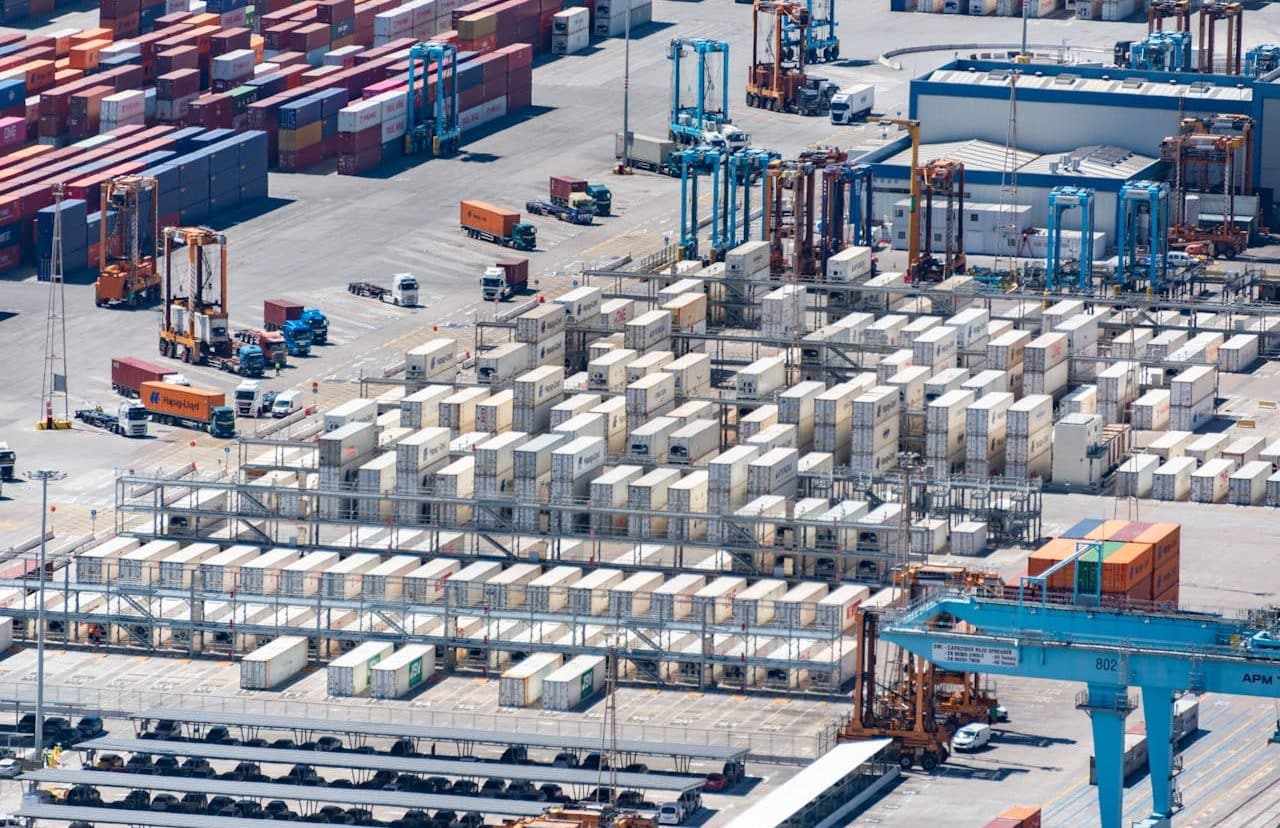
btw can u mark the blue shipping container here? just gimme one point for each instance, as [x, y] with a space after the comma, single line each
[299, 113]
[13, 91]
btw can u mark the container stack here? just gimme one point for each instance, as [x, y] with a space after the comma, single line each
[1238, 353]
[1247, 485]
[650, 396]
[747, 264]
[1019, 816]
[782, 313]
[309, 129]
[1075, 459]
[418, 457]
[571, 31]
[1140, 561]
[536, 393]
[985, 430]
[532, 470]
[1118, 386]
[1192, 394]
[1173, 479]
[945, 426]
[1029, 438]
[935, 348]
[1082, 345]
[727, 486]
[1209, 482]
[611, 16]
[1006, 353]
[971, 336]
[876, 417]
[1136, 476]
[1045, 364]
[1150, 412]
[573, 466]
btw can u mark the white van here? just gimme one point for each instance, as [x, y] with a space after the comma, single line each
[286, 403]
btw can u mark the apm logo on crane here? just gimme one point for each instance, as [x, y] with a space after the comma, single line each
[1258, 678]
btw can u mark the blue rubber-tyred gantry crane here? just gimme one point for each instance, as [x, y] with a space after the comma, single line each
[1161, 652]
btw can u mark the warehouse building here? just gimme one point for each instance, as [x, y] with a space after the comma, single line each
[993, 224]
[1061, 107]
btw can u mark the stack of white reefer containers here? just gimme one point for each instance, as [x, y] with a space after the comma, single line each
[833, 417]
[1029, 437]
[650, 331]
[543, 330]
[1150, 412]
[532, 471]
[971, 335]
[727, 485]
[1006, 353]
[570, 31]
[1074, 438]
[1238, 353]
[650, 396]
[783, 312]
[402, 671]
[611, 16]
[650, 492]
[1172, 481]
[1045, 364]
[434, 359]
[689, 495]
[610, 490]
[495, 474]
[1192, 397]
[342, 452]
[849, 265]
[935, 348]
[418, 456]
[1248, 484]
[746, 266]
[985, 429]
[874, 434]
[573, 466]
[536, 393]
[1118, 386]
[944, 425]
[1082, 344]
[795, 407]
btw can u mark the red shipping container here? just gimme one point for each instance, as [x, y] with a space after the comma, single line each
[229, 40]
[355, 143]
[308, 36]
[301, 159]
[1002, 822]
[284, 59]
[495, 88]
[116, 8]
[10, 38]
[519, 98]
[357, 163]
[10, 257]
[168, 20]
[1027, 816]
[173, 60]
[277, 36]
[518, 55]
[331, 11]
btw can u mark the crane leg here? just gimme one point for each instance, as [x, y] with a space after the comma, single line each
[1107, 707]
[1157, 706]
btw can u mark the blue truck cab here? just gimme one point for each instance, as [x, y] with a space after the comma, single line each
[319, 325]
[253, 363]
[222, 422]
[297, 337]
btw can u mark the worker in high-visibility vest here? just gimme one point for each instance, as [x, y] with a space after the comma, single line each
[57, 755]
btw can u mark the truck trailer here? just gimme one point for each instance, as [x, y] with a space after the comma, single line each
[481, 220]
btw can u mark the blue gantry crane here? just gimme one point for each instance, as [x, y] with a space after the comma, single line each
[846, 201]
[1139, 199]
[1110, 649]
[746, 170]
[819, 40]
[1062, 199]
[1261, 60]
[437, 131]
[1163, 52]
[710, 107]
[694, 162]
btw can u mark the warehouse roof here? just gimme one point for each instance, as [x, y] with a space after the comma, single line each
[400, 764]
[1079, 79]
[277, 790]
[398, 730]
[1097, 161]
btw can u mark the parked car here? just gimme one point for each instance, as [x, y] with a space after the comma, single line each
[194, 803]
[565, 760]
[108, 761]
[217, 803]
[670, 814]
[630, 799]
[594, 762]
[84, 795]
[465, 787]
[90, 726]
[284, 744]
[973, 736]
[27, 724]
[9, 768]
[493, 788]
[137, 800]
[470, 820]
[329, 743]
[515, 755]
[522, 789]
[552, 792]
[637, 767]
[165, 802]
[166, 766]
[715, 782]
[402, 747]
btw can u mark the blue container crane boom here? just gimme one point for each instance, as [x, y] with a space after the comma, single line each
[689, 119]
[819, 40]
[1062, 199]
[1261, 60]
[694, 162]
[746, 168]
[440, 133]
[1139, 198]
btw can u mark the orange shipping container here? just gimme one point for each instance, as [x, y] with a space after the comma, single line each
[1107, 531]
[181, 401]
[1058, 549]
[1166, 576]
[90, 35]
[1170, 596]
[1126, 568]
[67, 76]
[1028, 816]
[62, 45]
[258, 44]
[1140, 591]
[1166, 538]
[85, 55]
[487, 218]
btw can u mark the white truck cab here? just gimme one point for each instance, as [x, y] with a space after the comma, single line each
[404, 290]
[131, 418]
[728, 137]
[248, 398]
[852, 104]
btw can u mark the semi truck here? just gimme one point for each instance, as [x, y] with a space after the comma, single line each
[277, 313]
[504, 279]
[573, 215]
[648, 153]
[402, 293]
[852, 104]
[580, 193]
[128, 374]
[247, 361]
[189, 407]
[481, 220]
[274, 349]
[8, 459]
[252, 400]
[130, 419]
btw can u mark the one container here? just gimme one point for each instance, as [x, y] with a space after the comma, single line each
[273, 664]
[574, 683]
[402, 671]
[839, 609]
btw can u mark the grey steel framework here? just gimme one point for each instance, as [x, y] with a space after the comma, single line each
[367, 764]
[160, 819]
[138, 611]
[251, 723]
[306, 795]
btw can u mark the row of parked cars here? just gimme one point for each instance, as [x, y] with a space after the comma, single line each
[197, 803]
[58, 730]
